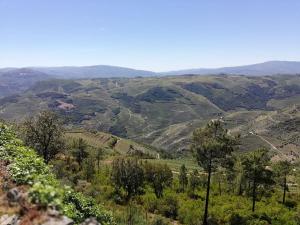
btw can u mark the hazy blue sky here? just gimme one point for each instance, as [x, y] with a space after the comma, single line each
[148, 34]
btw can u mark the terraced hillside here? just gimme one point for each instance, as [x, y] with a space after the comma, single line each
[163, 111]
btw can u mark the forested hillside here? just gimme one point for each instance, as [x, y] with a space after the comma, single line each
[162, 111]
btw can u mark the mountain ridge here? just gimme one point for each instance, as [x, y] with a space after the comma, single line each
[274, 67]
[15, 80]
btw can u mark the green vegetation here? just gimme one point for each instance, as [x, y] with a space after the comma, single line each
[183, 179]
[119, 181]
[255, 171]
[45, 134]
[26, 167]
[127, 174]
[212, 147]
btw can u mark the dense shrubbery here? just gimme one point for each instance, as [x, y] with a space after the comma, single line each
[26, 167]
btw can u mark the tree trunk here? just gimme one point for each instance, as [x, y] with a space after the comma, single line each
[45, 155]
[240, 189]
[284, 190]
[220, 189]
[254, 194]
[207, 195]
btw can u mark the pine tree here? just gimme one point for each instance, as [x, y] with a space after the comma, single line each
[282, 170]
[183, 179]
[194, 181]
[255, 170]
[212, 146]
[80, 151]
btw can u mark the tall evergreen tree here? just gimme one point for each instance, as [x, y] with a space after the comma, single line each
[282, 170]
[183, 179]
[99, 157]
[194, 181]
[212, 146]
[89, 168]
[255, 170]
[80, 151]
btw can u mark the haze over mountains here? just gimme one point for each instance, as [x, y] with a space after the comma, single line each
[16, 80]
[259, 69]
[99, 71]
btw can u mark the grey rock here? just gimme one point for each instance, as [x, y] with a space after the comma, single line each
[53, 213]
[59, 221]
[9, 220]
[13, 195]
[90, 221]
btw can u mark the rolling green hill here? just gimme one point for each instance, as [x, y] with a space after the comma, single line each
[163, 111]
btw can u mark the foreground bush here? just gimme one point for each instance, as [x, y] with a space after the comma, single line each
[26, 167]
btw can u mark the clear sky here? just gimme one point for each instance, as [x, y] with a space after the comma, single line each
[156, 35]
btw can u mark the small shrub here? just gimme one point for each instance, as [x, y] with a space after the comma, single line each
[159, 221]
[290, 204]
[46, 195]
[169, 206]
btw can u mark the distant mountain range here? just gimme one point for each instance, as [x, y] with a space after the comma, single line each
[16, 80]
[73, 72]
[259, 69]
[97, 71]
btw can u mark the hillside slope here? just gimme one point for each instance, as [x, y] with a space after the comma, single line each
[159, 111]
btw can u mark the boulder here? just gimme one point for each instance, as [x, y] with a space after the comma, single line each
[9, 220]
[63, 220]
[13, 195]
[90, 221]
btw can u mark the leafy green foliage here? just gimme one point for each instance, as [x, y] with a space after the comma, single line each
[79, 151]
[79, 207]
[44, 133]
[183, 179]
[46, 195]
[159, 176]
[255, 166]
[26, 167]
[127, 174]
[194, 182]
[282, 169]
